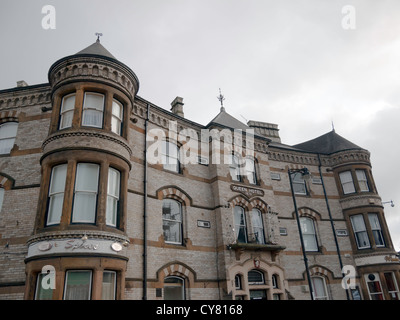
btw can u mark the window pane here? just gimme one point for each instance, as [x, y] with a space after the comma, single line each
[56, 194]
[67, 111]
[376, 229]
[255, 277]
[309, 235]
[299, 185]
[77, 285]
[174, 288]
[112, 196]
[258, 295]
[172, 221]
[108, 285]
[258, 228]
[391, 285]
[360, 232]
[347, 182]
[41, 293]
[84, 207]
[240, 224]
[8, 132]
[116, 125]
[170, 156]
[319, 289]
[93, 110]
[117, 109]
[362, 180]
[234, 168]
[87, 176]
[251, 171]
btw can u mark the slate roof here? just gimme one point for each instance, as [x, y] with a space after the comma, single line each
[328, 143]
[226, 120]
[96, 49]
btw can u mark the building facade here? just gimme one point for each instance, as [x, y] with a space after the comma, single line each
[105, 195]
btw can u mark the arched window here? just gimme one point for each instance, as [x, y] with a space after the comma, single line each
[309, 234]
[174, 288]
[258, 226]
[172, 221]
[240, 224]
[238, 282]
[275, 283]
[255, 277]
[170, 156]
[319, 288]
[8, 132]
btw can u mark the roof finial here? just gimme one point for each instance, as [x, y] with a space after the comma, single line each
[333, 127]
[221, 99]
[98, 36]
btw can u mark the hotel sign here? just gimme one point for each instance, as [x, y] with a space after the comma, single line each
[248, 192]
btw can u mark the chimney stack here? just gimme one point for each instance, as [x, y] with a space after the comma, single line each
[21, 83]
[177, 106]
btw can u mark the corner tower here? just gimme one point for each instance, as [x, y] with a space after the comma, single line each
[80, 226]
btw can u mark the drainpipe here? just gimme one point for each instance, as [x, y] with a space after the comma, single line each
[331, 220]
[145, 207]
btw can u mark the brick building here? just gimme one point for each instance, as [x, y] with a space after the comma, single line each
[87, 211]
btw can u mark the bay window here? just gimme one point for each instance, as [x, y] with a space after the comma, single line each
[374, 286]
[93, 108]
[56, 194]
[85, 195]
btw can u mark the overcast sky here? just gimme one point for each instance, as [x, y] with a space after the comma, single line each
[291, 62]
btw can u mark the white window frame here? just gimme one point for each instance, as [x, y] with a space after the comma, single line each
[234, 168]
[170, 161]
[7, 139]
[64, 112]
[299, 184]
[376, 228]
[116, 117]
[363, 230]
[178, 222]
[307, 234]
[92, 192]
[53, 194]
[93, 108]
[325, 295]
[250, 169]
[346, 179]
[113, 197]
[362, 180]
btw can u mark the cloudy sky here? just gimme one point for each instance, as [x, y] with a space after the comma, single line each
[295, 63]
